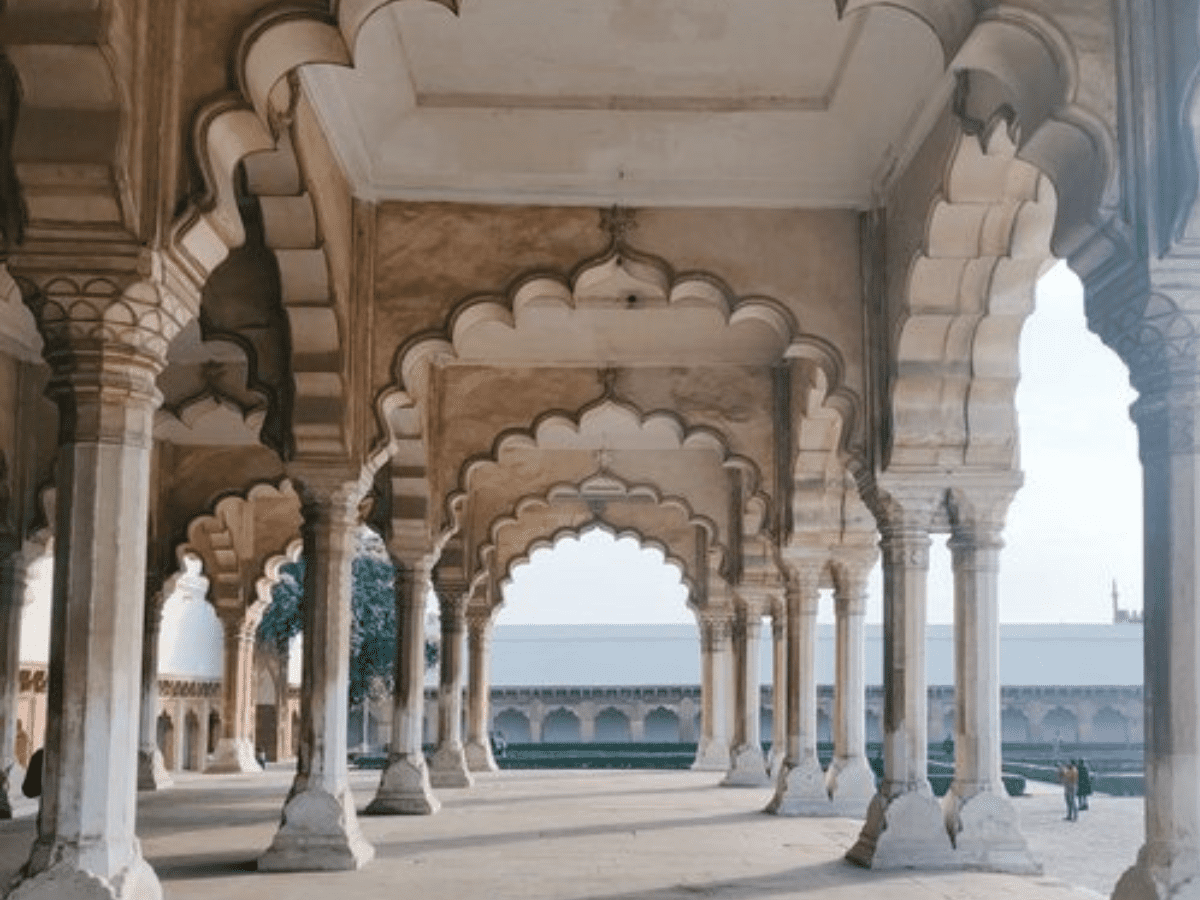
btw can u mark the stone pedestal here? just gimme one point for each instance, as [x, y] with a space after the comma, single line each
[404, 787]
[905, 827]
[105, 345]
[980, 818]
[448, 766]
[319, 829]
[152, 774]
[479, 744]
[235, 750]
[747, 767]
[850, 780]
[712, 750]
[800, 789]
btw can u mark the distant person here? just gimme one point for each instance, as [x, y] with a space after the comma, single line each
[499, 744]
[1083, 789]
[260, 757]
[1069, 776]
[32, 785]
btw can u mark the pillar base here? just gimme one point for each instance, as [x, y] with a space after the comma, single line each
[66, 881]
[233, 755]
[801, 791]
[904, 831]
[319, 833]
[480, 759]
[851, 785]
[986, 832]
[404, 789]
[775, 763]
[152, 773]
[747, 768]
[1172, 879]
[448, 768]
[711, 756]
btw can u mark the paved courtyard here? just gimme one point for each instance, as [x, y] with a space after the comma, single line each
[587, 835]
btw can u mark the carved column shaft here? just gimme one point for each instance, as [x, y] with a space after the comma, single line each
[779, 702]
[320, 830]
[105, 342]
[715, 715]
[976, 560]
[747, 767]
[479, 746]
[404, 787]
[449, 765]
[905, 727]
[152, 774]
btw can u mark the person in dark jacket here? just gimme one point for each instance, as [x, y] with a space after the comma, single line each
[1084, 788]
[32, 785]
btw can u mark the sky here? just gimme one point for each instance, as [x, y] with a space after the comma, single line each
[1074, 528]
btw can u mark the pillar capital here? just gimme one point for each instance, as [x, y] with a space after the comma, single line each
[716, 628]
[804, 583]
[327, 493]
[479, 619]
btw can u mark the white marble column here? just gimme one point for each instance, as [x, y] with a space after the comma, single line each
[12, 600]
[712, 752]
[850, 780]
[981, 819]
[235, 748]
[779, 703]
[905, 827]
[404, 787]
[320, 829]
[479, 744]
[1168, 864]
[106, 341]
[800, 789]
[448, 767]
[152, 773]
[747, 767]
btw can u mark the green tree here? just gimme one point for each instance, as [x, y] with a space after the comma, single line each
[373, 627]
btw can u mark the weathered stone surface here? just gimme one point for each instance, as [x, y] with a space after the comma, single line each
[66, 882]
[319, 832]
[234, 755]
[448, 768]
[747, 768]
[404, 789]
[801, 791]
[152, 772]
[986, 832]
[907, 831]
[851, 786]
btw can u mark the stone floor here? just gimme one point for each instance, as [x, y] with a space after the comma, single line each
[587, 835]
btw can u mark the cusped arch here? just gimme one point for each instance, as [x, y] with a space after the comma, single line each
[537, 518]
[239, 537]
[548, 540]
[608, 425]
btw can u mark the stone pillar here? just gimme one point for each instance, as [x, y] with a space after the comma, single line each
[980, 817]
[152, 774]
[404, 787]
[850, 780]
[1168, 864]
[12, 601]
[106, 341]
[779, 713]
[587, 722]
[235, 749]
[479, 638]
[448, 767]
[537, 716]
[800, 789]
[712, 753]
[320, 829]
[747, 768]
[905, 827]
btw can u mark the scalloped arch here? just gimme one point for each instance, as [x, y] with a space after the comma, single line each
[548, 542]
[534, 505]
[657, 429]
